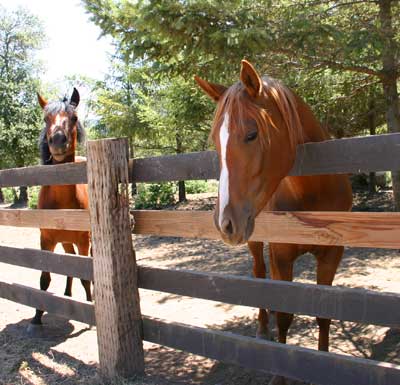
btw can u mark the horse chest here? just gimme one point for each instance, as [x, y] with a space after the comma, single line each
[60, 197]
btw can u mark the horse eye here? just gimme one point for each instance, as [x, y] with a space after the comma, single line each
[251, 136]
[74, 119]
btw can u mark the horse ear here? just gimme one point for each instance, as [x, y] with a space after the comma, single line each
[42, 101]
[75, 98]
[251, 79]
[214, 91]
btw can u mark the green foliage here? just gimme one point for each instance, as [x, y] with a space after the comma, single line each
[155, 195]
[9, 194]
[33, 195]
[21, 34]
[329, 52]
[196, 186]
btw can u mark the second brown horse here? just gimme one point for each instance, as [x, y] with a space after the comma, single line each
[58, 142]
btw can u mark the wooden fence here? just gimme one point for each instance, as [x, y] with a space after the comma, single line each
[120, 345]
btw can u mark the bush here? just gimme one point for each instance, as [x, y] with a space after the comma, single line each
[9, 194]
[33, 195]
[155, 195]
[196, 186]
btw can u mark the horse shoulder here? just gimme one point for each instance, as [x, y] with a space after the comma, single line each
[82, 196]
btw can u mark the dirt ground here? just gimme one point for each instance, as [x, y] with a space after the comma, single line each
[67, 354]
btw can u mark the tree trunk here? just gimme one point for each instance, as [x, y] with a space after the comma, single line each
[181, 183]
[389, 82]
[182, 190]
[23, 195]
[372, 131]
[1, 196]
[131, 156]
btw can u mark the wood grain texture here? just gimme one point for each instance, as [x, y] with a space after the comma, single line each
[66, 264]
[46, 219]
[357, 229]
[339, 156]
[117, 305]
[286, 360]
[303, 364]
[345, 304]
[61, 306]
[364, 229]
[60, 174]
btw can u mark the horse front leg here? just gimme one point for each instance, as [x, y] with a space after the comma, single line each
[45, 278]
[83, 249]
[68, 248]
[328, 259]
[259, 271]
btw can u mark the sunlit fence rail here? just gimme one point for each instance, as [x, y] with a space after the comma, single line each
[375, 153]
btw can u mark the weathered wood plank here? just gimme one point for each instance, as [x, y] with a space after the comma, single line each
[46, 219]
[319, 228]
[358, 229]
[117, 305]
[345, 304]
[60, 174]
[62, 306]
[286, 360]
[66, 264]
[290, 361]
[349, 155]
[195, 165]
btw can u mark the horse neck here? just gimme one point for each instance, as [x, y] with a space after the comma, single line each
[312, 130]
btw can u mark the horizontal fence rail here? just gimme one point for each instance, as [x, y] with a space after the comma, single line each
[77, 220]
[363, 229]
[71, 265]
[358, 229]
[357, 305]
[290, 361]
[346, 304]
[349, 155]
[61, 306]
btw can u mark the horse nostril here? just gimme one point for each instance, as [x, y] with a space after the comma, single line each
[51, 140]
[63, 139]
[227, 227]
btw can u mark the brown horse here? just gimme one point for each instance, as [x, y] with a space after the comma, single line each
[257, 126]
[58, 142]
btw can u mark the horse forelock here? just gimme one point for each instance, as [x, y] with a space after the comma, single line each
[63, 106]
[240, 107]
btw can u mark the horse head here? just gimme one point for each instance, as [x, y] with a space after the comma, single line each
[255, 131]
[62, 129]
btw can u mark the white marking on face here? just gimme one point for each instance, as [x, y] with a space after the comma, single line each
[224, 176]
[58, 122]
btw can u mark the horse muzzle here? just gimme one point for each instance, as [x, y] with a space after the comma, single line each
[235, 229]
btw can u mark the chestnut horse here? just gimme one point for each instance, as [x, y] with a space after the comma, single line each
[58, 141]
[257, 126]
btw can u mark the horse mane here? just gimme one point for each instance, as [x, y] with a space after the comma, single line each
[241, 107]
[54, 108]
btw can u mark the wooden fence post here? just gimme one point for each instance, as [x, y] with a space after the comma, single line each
[117, 304]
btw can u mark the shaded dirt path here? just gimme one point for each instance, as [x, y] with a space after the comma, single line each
[68, 353]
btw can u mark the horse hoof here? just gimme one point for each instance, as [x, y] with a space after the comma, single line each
[35, 330]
